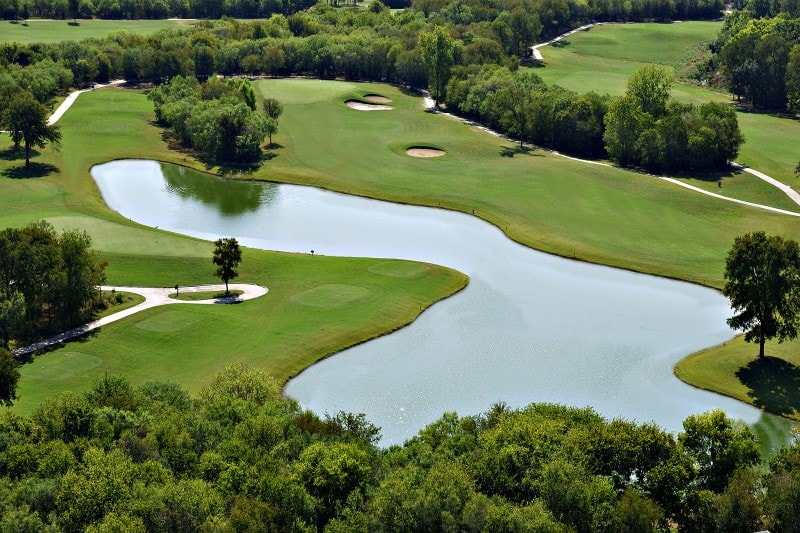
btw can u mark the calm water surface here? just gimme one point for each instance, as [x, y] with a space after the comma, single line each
[530, 327]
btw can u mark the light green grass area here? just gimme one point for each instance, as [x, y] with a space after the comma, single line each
[50, 31]
[603, 58]
[593, 213]
[189, 344]
[203, 295]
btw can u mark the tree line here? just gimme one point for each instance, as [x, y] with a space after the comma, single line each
[643, 128]
[218, 118]
[48, 282]
[758, 52]
[148, 9]
[240, 457]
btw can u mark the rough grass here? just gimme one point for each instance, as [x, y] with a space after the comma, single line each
[271, 333]
[50, 31]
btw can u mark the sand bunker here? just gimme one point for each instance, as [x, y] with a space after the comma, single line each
[376, 99]
[364, 106]
[424, 151]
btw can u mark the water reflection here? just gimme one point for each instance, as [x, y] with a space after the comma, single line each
[229, 197]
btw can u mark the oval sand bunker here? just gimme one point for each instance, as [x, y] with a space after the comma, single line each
[364, 106]
[424, 151]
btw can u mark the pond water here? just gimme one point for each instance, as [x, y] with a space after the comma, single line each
[530, 327]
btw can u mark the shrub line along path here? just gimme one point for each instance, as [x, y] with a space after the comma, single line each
[153, 297]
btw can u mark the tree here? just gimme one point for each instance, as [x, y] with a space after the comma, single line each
[9, 376]
[719, 447]
[272, 108]
[29, 118]
[227, 257]
[437, 49]
[762, 277]
[625, 122]
[650, 85]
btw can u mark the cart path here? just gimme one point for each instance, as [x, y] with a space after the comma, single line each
[153, 297]
[69, 100]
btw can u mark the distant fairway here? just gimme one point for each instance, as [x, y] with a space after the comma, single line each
[50, 31]
[602, 58]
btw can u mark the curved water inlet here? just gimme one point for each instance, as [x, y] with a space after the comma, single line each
[530, 327]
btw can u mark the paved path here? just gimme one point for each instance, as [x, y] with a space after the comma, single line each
[69, 100]
[535, 48]
[154, 296]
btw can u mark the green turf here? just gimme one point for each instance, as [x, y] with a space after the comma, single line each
[51, 31]
[603, 58]
[189, 344]
[128, 300]
[594, 213]
[734, 369]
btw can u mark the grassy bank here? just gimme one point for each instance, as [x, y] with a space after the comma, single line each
[734, 369]
[593, 213]
[280, 332]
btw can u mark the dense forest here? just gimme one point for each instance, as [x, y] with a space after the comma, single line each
[240, 458]
[759, 54]
[48, 282]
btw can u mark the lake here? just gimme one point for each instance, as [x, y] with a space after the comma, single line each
[530, 327]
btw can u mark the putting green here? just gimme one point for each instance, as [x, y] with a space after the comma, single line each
[331, 295]
[399, 269]
[68, 365]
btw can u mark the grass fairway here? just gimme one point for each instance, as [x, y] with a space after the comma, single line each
[594, 213]
[188, 344]
[315, 308]
[50, 31]
[602, 58]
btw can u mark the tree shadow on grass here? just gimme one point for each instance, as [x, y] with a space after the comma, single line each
[508, 151]
[710, 176]
[774, 385]
[33, 170]
[11, 153]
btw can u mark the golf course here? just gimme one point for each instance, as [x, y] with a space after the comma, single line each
[578, 210]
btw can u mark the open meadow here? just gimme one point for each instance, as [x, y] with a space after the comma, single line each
[51, 31]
